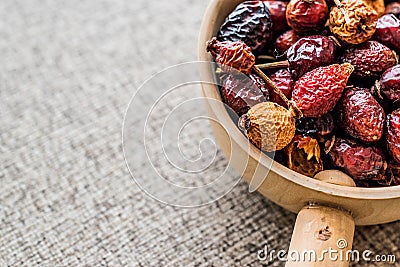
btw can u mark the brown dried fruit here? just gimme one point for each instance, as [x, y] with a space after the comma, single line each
[304, 156]
[284, 80]
[370, 59]
[393, 134]
[305, 16]
[229, 54]
[358, 160]
[286, 40]
[317, 92]
[377, 5]
[360, 25]
[389, 84]
[360, 115]
[268, 126]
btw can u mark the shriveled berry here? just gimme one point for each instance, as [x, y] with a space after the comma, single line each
[358, 160]
[360, 25]
[388, 31]
[240, 93]
[392, 175]
[377, 5]
[370, 59]
[360, 115]
[393, 8]
[318, 128]
[268, 126]
[306, 16]
[390, 84]
[311, 52]
[286, 40]
[393, 135]
[229, 54]
[260, 83]
[317, 92]
[283, 79]
[304, 156]
[278, 15]
[251, 23]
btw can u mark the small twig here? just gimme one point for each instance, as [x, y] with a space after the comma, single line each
[266, 57]
[274, 65]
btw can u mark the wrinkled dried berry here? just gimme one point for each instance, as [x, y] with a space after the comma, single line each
[360, 25]
[360, 115]
[240, 93]
[377, 5]
[285, 41]
[305, 16]
[278, 15]
[357, 160]
[251, 23]
[317, 92]
[393, 134]
[229, 54]
[388, 31]
[318, 128]
[260, 83]
[311, 52]
[304, 156]
[392, 175]
[393, 8]
[370, 59]
[268, 126]
[390, 84]
[283, 79]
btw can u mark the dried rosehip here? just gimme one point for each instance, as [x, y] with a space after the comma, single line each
[318, 128]
[268, 126]
[393, 134]
[357, 160]
[377, 5]
[283, 79]
[370, 59]
[278, 15]
[304, 156]
[260, 83]
[360, 115]
[392, 175]
[393, 8]
[388, 31]
[251, 23]
[389, 84]
[229, 54]
[240, 93]
[317, 92]
[306, 16]
[311, 52]
[285, 41]
[358, 27]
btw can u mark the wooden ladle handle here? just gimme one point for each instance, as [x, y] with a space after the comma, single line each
[323, 235]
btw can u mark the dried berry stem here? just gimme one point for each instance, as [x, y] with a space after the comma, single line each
[291, 105]
[343, 10]
[274, 65]
[266, 57]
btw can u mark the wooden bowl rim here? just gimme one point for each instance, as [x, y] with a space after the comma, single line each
[206, 32]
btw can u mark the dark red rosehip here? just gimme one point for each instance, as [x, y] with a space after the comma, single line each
[251, 23]
[278, 15]
[311, 52]
[306, 16]
[358, 160]
[360, 115]
[317, 92]
[283, 79]
[240, 93]
[393, 134]
[318, 128]
[388, 31]
[390, 84]
[260, 83]
[285, 41]
[393, 8]
[370, 59]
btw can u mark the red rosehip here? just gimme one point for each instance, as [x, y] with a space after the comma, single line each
[305, 16]
[278, 15]
[393, 134]
[390, 83]
[286, 40]
[283, 79]
[388, 31]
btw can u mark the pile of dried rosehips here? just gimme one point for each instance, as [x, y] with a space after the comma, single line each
[323, 87]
